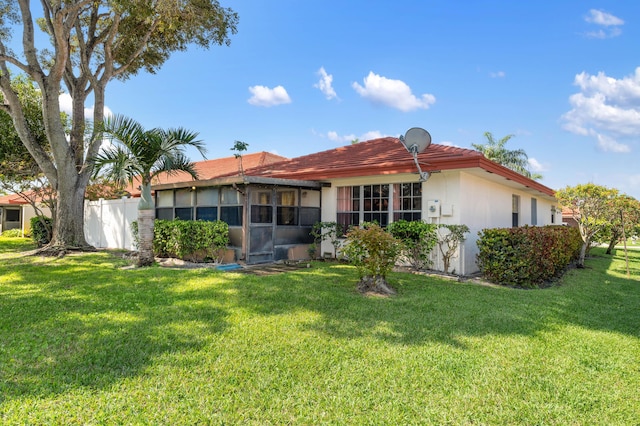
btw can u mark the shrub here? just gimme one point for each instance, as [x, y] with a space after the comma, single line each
[190, 240]
[12, 233]
[449, 241]
[417, 238]
[328, 231]
[41, 230]
[373, 252]
[527, 256]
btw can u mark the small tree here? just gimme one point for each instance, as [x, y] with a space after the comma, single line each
[591, 207]
[449, 240]
[373, 252]
[142, 154]
[328, 231]
[625, 214]
[418, 239]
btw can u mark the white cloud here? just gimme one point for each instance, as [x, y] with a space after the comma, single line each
[394, 93]
[536, 166]
[608, 144]
[610, 23]
[324, 84]
[606, 108]
[266, 97]
[372, 134]
[498, 74]
[66, 105]
[600, 17]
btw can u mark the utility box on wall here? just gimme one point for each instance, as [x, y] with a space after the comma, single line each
[433, 208]
[446, 210]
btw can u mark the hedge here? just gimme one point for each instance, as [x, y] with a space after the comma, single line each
[527, 256]
[188, 239]
[41, 227]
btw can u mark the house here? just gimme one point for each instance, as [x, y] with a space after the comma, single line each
[271, 207]
[16, 213]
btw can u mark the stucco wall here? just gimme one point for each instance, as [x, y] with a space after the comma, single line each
[461, 198]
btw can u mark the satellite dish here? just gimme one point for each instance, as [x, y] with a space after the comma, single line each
[416, 140]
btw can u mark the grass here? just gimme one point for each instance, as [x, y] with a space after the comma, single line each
[83, 341]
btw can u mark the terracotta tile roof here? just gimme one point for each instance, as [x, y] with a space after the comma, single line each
[11, 199]
[210, 169]
[386, 156]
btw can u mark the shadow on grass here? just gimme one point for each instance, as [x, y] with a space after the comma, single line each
[433, 309]
[88, 324]
[82, 322]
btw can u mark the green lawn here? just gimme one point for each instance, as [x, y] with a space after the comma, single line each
[83, 341]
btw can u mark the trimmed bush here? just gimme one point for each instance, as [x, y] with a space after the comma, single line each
[193, 240]
[527, 256]
[373, 251]
[12, 233]
[417, 238]
[41, 229]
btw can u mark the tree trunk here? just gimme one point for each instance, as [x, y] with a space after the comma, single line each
[146, 218]
[583, 252]
[68, 229]
[375, 284]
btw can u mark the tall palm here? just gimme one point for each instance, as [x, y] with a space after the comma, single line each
[516, 160]
[136, 153]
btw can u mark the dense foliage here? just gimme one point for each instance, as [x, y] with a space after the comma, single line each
[527, 256]
[374, 252]
[41, 230]
[188, 239]
[418, 240]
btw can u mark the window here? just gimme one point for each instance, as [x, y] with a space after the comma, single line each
[371, 203]
[230, 207]
[515, 210]
[534, 211]
[12, 215]
[261, 208]
[348, 206]
[376, 204]
[206, 204]
[287, 208]
[407, 201]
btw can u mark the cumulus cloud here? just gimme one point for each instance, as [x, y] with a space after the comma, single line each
[266, 97]
[394, 93]
[497, 74]
[372, 134]
[325, 84]
[535, 166]
[66, 105]
[610, 24]
[606, 108]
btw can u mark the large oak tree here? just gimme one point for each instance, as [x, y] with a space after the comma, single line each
[90, 43]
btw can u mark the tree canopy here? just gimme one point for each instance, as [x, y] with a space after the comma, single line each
[90, 43]
[137, 153]
[591, 207]
[516, 160]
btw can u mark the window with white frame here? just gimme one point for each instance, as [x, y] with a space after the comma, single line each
[515, 210]
[379, 203]
[407, 201]
[534, 211]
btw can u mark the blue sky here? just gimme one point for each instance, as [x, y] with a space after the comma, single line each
[302, 77]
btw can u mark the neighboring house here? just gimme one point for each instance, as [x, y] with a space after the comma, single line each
[271, 207]
[16, 213]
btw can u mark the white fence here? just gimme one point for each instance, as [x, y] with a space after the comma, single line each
[107, 223]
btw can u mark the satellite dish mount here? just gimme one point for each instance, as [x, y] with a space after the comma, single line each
[416, 140]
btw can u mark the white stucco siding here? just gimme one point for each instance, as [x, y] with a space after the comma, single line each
[463, 198]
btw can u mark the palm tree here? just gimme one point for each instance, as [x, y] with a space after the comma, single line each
[516, 160]
[143, 154]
